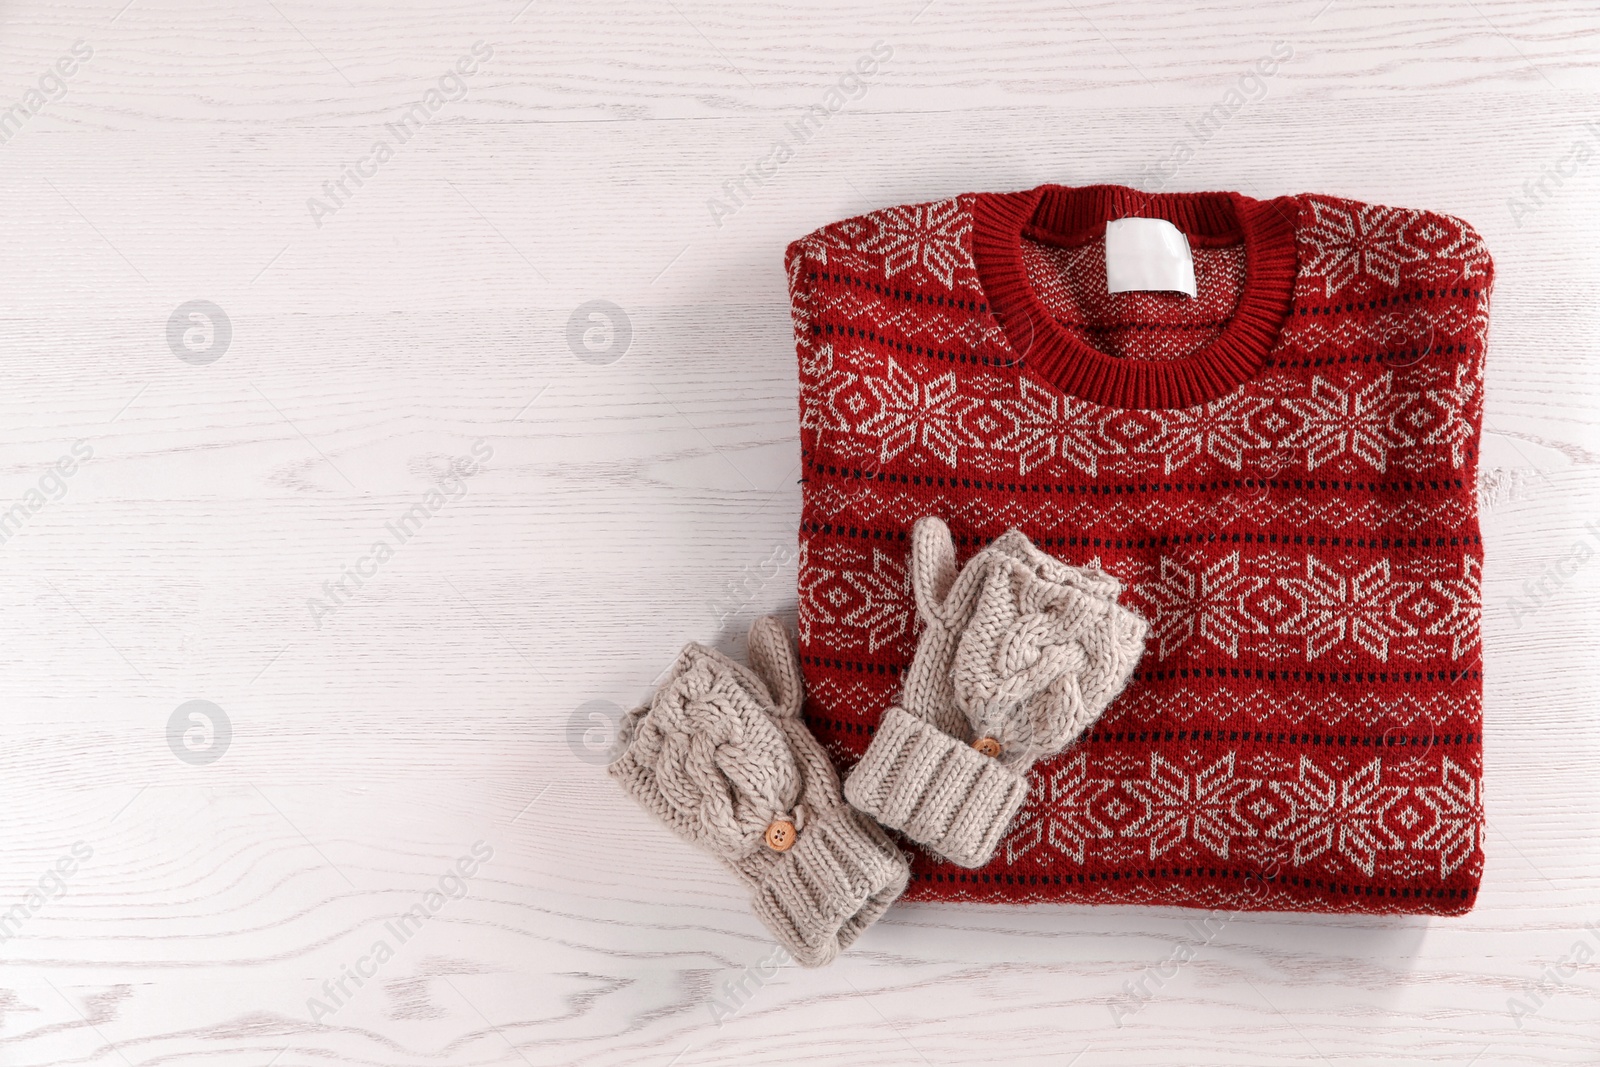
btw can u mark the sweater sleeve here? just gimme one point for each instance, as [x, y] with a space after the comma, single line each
[802, 264]
[1453, 286]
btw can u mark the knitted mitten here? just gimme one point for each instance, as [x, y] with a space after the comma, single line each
[721, 755]
[1019, 655]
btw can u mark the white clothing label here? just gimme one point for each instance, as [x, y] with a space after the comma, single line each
[1147, 254]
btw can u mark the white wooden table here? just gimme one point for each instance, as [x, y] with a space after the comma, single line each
[187, 890]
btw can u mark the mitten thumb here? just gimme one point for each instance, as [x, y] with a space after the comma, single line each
[772, 657]
[933, 567]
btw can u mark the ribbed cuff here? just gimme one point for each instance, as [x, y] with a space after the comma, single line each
[841, 875]
[938, 791]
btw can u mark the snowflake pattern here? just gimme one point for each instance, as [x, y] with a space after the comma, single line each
[884, 592]
[1457, 416]
[1457, 829]
[897, 374]
[833, 395]
[1061, 813]
[928, 239]
[1180, 805]
[1028, 426]
[1238, 604]
[1346, 815]
[913, 414]
[1209, 600]
[864, 603]
[1047, 424]
[1302, 815]
[1221, 429]
[1361, 608]
[1350, 241]
[1360, 420]
[813, 578]
[1461, 624]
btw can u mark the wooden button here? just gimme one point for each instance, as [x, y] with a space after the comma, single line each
[781, 836]
[988, 746]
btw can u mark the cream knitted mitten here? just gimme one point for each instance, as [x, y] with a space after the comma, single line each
[721, 755]
[1019, 655]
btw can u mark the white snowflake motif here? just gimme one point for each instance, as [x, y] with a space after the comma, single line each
[1462, 623]
[1133, 435]
[1361, 608]
[912, 413]
[813, 581]
[1361, 420]
[1328, 813]
[832, 395]
[1200, 806]
[1455, 404]
[1208, 598]
[882, 610]
[988, 425]
[925, 238]
[870, 602]
[1047, 424]
[1458, 817]
[1060, 812]
[1220, 429]
[1355, 240]
[1452, 248]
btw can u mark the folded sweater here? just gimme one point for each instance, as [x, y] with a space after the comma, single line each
[1281, 472]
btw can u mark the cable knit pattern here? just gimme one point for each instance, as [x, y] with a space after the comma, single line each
[1019, 650]
[721, 763]
[720, 755]
[1042, 656]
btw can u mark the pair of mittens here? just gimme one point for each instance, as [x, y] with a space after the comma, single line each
[1019, 655]
[721, 755]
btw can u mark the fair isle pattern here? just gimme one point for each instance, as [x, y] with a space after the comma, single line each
[1270, 606]
[926, 239]
[870, 503]
[1402, 419]
[1304, 730]
[1315, 608]
[1350, 240]
[1351, 815]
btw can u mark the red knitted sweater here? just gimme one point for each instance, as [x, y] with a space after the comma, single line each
[1282, 472]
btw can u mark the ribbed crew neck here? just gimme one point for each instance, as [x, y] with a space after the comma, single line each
[1067, 214]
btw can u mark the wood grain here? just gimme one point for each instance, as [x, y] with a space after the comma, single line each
[631, 506]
